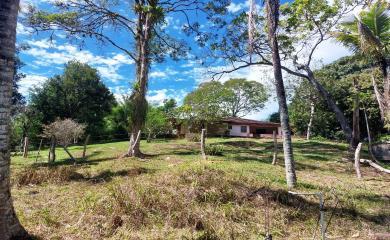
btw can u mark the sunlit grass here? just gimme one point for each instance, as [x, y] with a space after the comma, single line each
[173, 194]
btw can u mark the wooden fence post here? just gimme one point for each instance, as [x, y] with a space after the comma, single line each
[357, 161]
[39, 150]
[274, 160]
[203, 144]
[25, 148]
[85, 145]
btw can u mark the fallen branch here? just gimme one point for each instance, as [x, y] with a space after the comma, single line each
[374, 165]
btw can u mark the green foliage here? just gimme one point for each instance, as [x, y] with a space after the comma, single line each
[214, 150]
[241, 97]
[274, 117]
[213, 100]
[78, 94]
[373, 35]
[338, 79]
[193, 137]
[27, 123]
[157, 122]
[117, 123]
[204, 102]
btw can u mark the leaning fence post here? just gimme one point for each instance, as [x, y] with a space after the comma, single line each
[203, 144]
[85, 145]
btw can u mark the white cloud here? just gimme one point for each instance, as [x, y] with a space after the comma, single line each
[23, 30]
[157, 97]
[30, 81]
[48, 53]
[329, 51]
[157, 74]
[236, 7]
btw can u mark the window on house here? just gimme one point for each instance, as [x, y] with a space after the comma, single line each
[230, 127]
[244, 129]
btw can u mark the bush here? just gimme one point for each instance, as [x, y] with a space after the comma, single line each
[214, 150]
[193, 137]
[384, 138]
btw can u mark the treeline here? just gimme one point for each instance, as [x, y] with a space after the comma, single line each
[80, 94]
[347, 79]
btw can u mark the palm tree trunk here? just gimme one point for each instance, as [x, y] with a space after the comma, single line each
[272, 7]
[10, 227]
[384, 99]
[138, 97]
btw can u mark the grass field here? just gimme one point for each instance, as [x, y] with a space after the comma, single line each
[172, 194]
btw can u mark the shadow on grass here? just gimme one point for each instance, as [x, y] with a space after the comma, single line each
[63, 174]
[79, 162]
[243, 144]
[304, 206]
[108, 175]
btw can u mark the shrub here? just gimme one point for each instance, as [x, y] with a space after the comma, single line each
[214, 150]
[193, 137]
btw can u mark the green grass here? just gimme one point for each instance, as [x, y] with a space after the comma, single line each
[173, 194]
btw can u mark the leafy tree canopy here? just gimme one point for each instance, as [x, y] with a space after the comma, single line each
[78, 93]
[235, 98]
[338, 77]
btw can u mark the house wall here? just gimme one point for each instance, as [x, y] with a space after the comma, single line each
[236, 131]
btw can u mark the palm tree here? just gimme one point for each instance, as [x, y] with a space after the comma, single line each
[369, 34]
[272, 9]
[10, 227]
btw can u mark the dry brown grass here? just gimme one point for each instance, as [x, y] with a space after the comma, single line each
[40, 175]
[223, 198]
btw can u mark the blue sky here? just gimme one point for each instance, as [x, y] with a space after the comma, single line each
[169, 79]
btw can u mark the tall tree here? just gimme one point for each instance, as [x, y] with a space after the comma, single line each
[369, 34]
[242, 97]
[272, 12]
[233, 98]
[141, 23]
[10, 227]
[305, 26]
[338, 78]
[78, 93]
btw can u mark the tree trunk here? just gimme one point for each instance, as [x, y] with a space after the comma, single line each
[355, 118]
[369, 136]
[386, 88]
[331, 104]
[10, 227]
[272, 7]
[203, 144]
[85, 145]
[138, 97]
[52, 150]
[379, 98]
[357, 160]
[310, 124]
[383, 99]
[133, 144]
[275, 157]
[25, 148]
